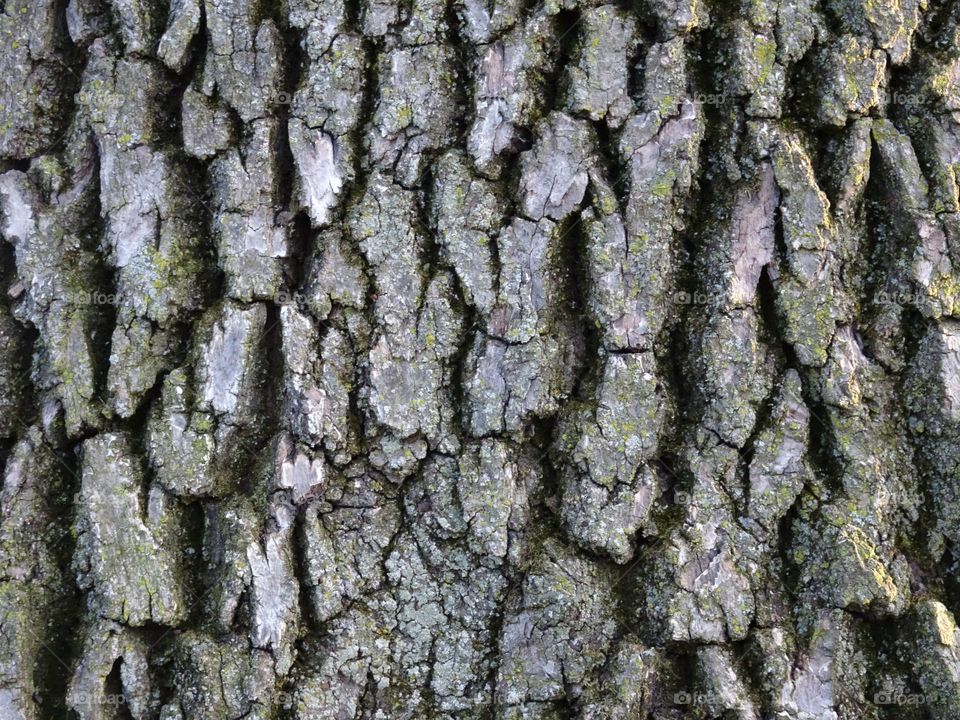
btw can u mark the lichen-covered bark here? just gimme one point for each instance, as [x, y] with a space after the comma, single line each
[435, 359]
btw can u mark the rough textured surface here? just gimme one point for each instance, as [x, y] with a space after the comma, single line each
[479, 359]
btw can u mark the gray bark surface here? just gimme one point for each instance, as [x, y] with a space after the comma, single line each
[435, 359]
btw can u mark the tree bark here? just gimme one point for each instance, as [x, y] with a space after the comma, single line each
[382, 360]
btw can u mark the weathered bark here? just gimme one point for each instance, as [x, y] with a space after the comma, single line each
[479, 359]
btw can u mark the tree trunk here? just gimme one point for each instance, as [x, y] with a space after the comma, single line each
[422, 359]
